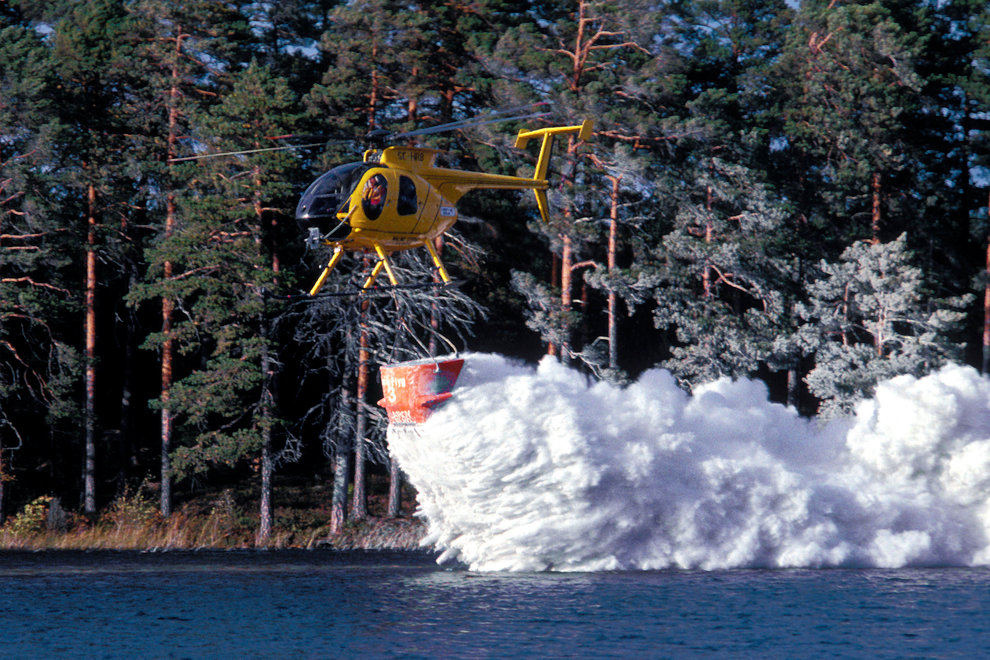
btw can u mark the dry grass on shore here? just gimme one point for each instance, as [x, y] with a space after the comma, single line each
[221, 521]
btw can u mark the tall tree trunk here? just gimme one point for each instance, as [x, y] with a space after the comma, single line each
[706, 274]
[566, 273]
[613, 232]
[567, 265]
[89, 415]
[165, 499]
[265, 507]
[267, 463]
[875, 215]
[845, 315]
[373, 94]
[168, 305]
[359, 505]
[554, 281]
[267, 371]
[394, 488]
[986, 303]
[578, 59]
[125, 444]
[341, 476]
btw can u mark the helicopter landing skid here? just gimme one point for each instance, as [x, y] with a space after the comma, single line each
[379, 291]
[382, 262]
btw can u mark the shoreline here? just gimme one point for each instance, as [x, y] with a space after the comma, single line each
[205, 524]
[373, 534]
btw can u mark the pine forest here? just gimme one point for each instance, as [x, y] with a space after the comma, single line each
[793, 191]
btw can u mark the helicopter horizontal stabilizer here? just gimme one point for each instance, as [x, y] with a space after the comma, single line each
[583, 132]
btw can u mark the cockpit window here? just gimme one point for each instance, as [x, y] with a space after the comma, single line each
[407, 196]
[373, 196]
[329, 192]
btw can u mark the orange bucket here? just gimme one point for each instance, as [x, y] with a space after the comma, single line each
[413, 389]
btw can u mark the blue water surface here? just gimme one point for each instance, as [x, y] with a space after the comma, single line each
[322, 604]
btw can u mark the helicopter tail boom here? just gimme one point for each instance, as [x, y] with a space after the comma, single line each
[543, 161]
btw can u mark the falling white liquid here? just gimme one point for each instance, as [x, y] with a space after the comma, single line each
[535, 469]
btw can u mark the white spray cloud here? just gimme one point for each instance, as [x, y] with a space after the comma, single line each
[536, 469]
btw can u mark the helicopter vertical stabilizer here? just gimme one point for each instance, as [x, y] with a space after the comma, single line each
[543, 161]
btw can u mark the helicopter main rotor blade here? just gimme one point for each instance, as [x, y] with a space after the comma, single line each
[286, 147]
[246, 151]
[494, 117]
[491, 118]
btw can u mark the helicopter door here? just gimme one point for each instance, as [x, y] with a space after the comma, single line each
[429, 206]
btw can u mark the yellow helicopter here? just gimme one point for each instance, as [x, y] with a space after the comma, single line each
[397, 199]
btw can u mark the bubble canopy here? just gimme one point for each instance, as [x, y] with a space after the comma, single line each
[319, 205]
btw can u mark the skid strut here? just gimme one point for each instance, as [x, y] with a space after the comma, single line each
[382, 263]
[338, 252]
[436, 260]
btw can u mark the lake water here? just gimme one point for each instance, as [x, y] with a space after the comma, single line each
[314, 604]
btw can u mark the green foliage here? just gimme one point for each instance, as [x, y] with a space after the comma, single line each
[726, 274]
[869, 319]
[544, 314]
[133, 508]
[849, 86]
[32, 519]
[229, 281]
[38, 363]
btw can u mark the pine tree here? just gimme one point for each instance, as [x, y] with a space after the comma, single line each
[228, 285]
[850, 84]
[88, 61]
[176, 54]
[721, 242]
[869, 319]
[862, 153]
[398, 325]
[573, 60]
[943, 129]
[38, 364]
[359, 83]
[724, 275]
[961, 98]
